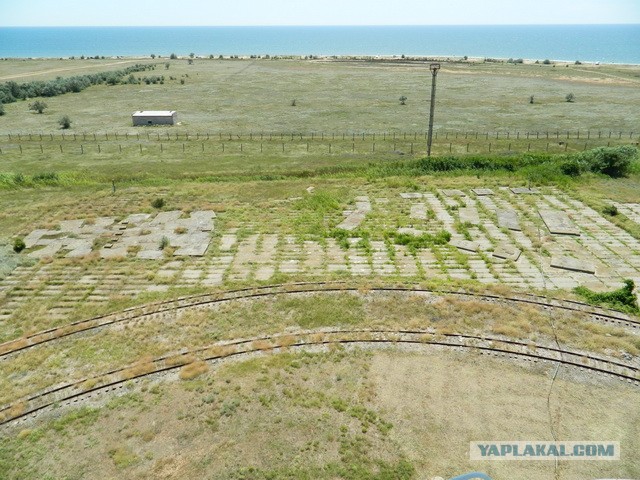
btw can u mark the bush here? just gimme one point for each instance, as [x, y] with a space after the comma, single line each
[621, 299]
[38, 106]
[610, 210]
[570, 97]
[158, 203]
[46, 177]
[164, 243]
[65, 122]
[18, 245]
[612, 161]
[173, 56]
[1, 109]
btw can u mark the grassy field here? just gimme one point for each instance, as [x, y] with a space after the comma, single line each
[272, 169]
[340, 414]
[243, 96]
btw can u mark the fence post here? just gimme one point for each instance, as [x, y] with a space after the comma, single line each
[60, 148]
[81, 150]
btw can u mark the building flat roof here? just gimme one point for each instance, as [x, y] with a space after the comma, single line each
[154, 113]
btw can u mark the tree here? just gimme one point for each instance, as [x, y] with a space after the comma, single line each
[191, 55]
[1, 109]
[570, 97]
[403, 100]
[153, 55]
[531, 99]
[190, 61]
[38, 106]
[173, 56]
[65, 122]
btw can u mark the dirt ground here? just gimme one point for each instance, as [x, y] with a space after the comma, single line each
[338, 414]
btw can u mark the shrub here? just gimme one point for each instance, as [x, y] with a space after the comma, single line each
[547, 62]
[570, 97]
[18, 245]
[65, 122]
[164, 243]
[158, 203]
[46, 177]
[574, 167]
[38, 106]
[621, 299]
[612, 161]
[610, 210]
[173, 56]
[403, 100]
[1, 109]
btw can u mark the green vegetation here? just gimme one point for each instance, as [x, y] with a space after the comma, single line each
[18, 245]
[65, 122]
[417, 242]
[623, 299]
[11, 91]
[158, 203]
[38, 106]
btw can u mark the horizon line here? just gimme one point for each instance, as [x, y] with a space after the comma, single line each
[334, 25]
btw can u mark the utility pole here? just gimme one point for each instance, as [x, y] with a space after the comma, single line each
[434, 67]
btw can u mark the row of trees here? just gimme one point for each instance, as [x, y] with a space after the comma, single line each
[13, 91]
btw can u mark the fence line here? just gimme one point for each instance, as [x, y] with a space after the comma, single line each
[397, 147]
[321, 136]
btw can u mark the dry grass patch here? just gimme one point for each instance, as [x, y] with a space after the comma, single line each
[193, 370]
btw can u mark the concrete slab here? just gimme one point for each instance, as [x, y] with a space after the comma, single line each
[482, 191]
[508, 219]
[465, 245]
[113, 252]
[507, 252]
[418, 211]
[469, 215]
[572, 264]
[411, 195]
[165, 217]
[525, 191]
[453, 193]
[150, 254]
[558, 222]
[48, 251]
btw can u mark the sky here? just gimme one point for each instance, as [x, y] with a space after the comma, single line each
[315, 12]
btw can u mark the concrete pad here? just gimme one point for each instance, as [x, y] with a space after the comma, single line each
[33, 238]
[572, 264]
[137, 218]
[482, 191]
[469, 215]
[525, 191]
[352, 221]
[453, 193]
[80, 250]
[507, 252]
[48, 251]
[465, 245]
[113, 252]
[418, 211]
[411, 195]
[227, 242]
[508, 219]
[558, 222]
[150, 254]
[73, 226]
[165, 217]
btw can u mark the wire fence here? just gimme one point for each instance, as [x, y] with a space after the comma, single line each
[403, 143]
[322, 136]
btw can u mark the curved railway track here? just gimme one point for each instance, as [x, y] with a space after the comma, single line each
[158, 309]
[86, 388]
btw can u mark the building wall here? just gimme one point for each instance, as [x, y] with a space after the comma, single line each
[152, 120]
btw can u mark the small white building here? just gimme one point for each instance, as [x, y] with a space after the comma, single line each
[154, 117]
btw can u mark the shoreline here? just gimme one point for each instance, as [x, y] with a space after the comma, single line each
[457, 59]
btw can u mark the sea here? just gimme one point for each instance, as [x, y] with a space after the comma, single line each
[586, 43]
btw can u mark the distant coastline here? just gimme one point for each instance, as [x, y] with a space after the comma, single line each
[613, 44]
